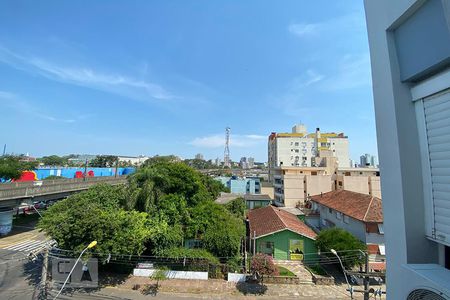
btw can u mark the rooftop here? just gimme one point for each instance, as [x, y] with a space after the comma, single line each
[262, 197]
[293, 210]
[359, 206]
[270, 219]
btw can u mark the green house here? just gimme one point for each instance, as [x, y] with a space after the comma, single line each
[281, 234]
[257, 200]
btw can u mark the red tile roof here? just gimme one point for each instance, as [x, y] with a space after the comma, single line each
[270, 219]
[359, 206]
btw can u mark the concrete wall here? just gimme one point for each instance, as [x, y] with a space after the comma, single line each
[355, 227]
[173, 274]
[397, 133]
[267, 190]
[318, 184]
[281, 244]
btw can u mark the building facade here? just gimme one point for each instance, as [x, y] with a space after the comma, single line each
[357, 213]
[300, 149]
[294, 185]
[241, 186]
[410, 55]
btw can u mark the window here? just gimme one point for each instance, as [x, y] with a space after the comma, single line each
[296, 150]
[380, 228]
[266, 248]
[347, 174]
[313, 173]
[296, 143]
[330, 210]
[346, 219]
[433, 114]
[338, 215]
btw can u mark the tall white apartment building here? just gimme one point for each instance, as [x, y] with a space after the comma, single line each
[300, 149]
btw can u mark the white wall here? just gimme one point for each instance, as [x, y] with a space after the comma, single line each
[398, 148]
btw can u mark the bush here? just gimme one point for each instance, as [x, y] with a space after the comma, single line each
[190, 253]
[263, 264]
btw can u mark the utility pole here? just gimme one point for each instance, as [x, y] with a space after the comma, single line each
[366, 278]
[43, 290]
[85, 170]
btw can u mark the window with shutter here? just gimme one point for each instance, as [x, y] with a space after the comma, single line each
[436, 134]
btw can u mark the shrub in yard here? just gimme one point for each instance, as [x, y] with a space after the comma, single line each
[263, 264]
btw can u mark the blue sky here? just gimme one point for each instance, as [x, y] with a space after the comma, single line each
[163, 77]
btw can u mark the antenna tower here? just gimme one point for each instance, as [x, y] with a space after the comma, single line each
[226, 154]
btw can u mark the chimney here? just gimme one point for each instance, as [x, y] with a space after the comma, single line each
[316, 140]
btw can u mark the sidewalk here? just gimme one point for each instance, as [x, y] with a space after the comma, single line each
[220, 289]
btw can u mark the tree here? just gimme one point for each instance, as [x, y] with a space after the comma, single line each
[343, 242]
[96, 215]
[152, 182]
[53, 160]
[11, 167]
[104, 161]
[237, 207]
[219, 230]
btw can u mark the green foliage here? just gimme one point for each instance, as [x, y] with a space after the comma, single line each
[342, 241]
[189, 253]
[200, 164]
[54, 177]
[160, 159]
[237, 207]
[11, 167]
[235, 264]
[263, 264]
[150, 183]
[164, 236]
[220, 231]
[160, 274]
[282, 271]
[53, 160]
[104, 161]
[96, 215]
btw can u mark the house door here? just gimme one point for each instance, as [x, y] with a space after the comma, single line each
[296, 249]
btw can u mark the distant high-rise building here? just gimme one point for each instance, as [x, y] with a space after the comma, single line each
[300, 149]
[199, 156]
[367, 160]
[251, 162]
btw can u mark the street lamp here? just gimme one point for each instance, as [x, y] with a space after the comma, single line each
[350, 288]
[91, 245]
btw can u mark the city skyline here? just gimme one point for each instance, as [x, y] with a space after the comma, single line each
[159, 78]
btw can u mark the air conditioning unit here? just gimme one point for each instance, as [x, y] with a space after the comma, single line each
[425, 282]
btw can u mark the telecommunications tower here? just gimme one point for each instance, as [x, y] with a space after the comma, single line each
[226, 154]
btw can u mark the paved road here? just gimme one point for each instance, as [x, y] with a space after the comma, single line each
[18, 275]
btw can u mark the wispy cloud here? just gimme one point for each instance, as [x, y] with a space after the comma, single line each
[303, 29]
[236, 140]
[15, 102]
[340, 25]
[352, 71]
[87, 77]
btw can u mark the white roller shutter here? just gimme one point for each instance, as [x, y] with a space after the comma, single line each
[437, 125]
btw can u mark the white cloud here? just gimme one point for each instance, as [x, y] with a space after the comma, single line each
[87, 77]
[303, 29]
[15, 102]
[343, 25]
[236, 140]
